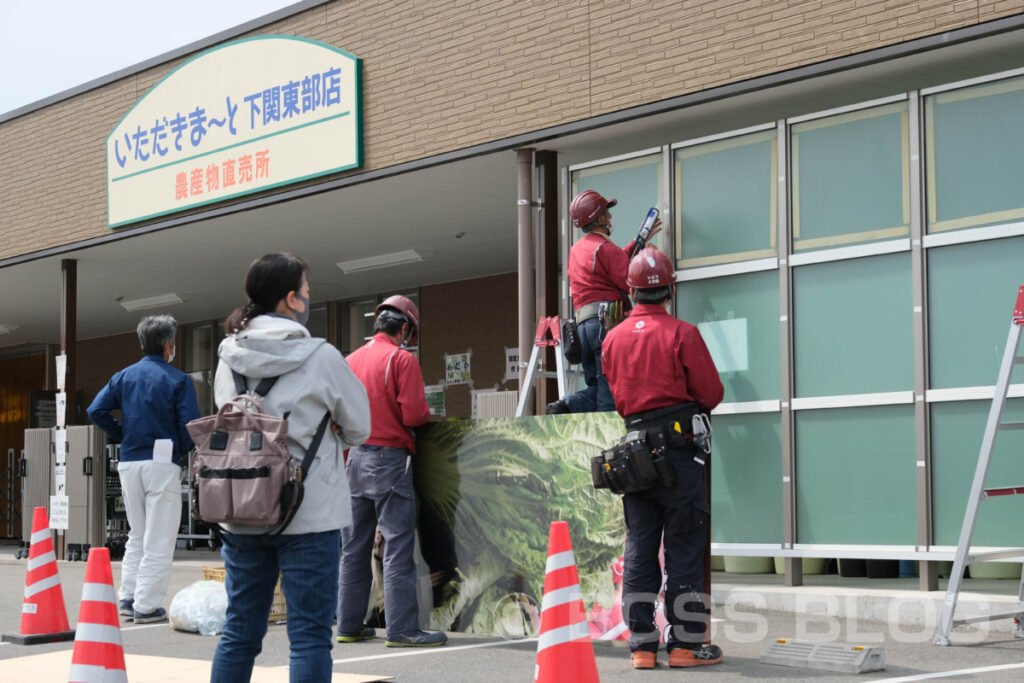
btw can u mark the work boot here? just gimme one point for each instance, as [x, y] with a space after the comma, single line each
[644, 659]
[556, 408]
[418, 639]
[367, 633]
[698, 655]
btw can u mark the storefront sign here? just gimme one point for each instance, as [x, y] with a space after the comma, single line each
[243, 117]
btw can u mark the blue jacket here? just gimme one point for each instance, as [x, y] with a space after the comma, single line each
[155, 400]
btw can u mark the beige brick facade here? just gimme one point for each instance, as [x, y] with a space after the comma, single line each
[444, 75]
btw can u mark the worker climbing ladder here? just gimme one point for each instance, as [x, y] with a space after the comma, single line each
[550, 325]
[979, 493]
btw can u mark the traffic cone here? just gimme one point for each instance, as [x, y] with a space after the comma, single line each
[98, 656]
[564, 650]
[43, 616]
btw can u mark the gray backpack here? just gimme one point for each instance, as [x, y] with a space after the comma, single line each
[242, 472]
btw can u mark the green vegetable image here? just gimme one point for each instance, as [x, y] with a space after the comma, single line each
[494, 487]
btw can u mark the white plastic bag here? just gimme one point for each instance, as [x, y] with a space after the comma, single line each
[201, 607]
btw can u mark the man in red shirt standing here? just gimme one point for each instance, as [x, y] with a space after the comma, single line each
[597, 280]
[661, 374]
[380, 479]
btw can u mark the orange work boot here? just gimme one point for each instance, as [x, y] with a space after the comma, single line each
[698, 656]
[644, 659]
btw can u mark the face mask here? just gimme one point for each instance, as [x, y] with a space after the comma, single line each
[303, 317]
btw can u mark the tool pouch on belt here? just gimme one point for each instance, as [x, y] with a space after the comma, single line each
[571, 341]
[611, 313]
[632, 465]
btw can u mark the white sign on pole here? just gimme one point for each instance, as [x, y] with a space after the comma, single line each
[60, 480]
[511, 363]
[62, 367]
[62, 405]
[60, 448]
[59, 512]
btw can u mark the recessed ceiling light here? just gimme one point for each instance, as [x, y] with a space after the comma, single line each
[151, 302]
[383, 261]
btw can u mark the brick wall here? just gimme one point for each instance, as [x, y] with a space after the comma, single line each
[441, 75]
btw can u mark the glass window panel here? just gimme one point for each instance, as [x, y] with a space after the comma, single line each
[971, 287]
[975, 155]
[851, 178]
[856, 476]
[853, 326]
[726, 199]
[738, 316]
[636, 183]
[746, 481]
[358, 319]
[197, 361]
[957, 428]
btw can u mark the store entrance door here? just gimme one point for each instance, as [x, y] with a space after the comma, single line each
[22, 379]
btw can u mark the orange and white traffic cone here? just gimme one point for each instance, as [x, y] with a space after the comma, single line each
[564, 650]
[43, 616]
[98, 656]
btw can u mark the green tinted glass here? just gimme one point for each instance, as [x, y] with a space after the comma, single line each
[746, 479]
[727, 199]
[975, 155]
[971, 287]
[635, 183]
[852, 324]
[738, 317]
[856, 475]
[851, 178]
[957, 429]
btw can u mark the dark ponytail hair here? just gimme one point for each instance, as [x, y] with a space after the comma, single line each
[267, 281]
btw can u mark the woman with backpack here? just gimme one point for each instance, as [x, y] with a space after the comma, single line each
[267, 338]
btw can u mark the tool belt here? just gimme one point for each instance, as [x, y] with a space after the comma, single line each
[610, 313]
[681, 424]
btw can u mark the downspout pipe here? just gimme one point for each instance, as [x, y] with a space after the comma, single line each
[524, 214]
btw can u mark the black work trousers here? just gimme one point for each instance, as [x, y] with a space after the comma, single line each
[679, 514]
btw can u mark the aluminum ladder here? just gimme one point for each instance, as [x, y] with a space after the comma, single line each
[553, 326]
[964, 556]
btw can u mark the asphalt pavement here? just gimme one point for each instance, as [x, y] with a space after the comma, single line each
[750, 611]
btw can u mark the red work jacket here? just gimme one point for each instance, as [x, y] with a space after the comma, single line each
[597, 270]
[394, 385]
[653, 360]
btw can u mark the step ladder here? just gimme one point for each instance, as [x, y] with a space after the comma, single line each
[547, 325]
[964, 556]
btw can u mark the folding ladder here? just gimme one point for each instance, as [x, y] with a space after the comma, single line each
[964, 556]
[553, 326]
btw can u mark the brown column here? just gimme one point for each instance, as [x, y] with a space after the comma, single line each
[69, 330]
[547, 255]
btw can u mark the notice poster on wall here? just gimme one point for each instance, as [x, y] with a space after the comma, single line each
[511, 363]
[457, 368]
[435, 398]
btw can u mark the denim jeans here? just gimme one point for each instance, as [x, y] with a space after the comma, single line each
[309, 577]
[677, 515]
[380, 480]
[596, 397]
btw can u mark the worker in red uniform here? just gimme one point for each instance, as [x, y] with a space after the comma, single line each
[661, 374]
[597, 281]
[380, 477]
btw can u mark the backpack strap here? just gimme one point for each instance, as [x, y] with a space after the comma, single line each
[261, 390]
[307, 461]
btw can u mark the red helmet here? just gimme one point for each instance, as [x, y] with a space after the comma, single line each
[587, 206]
[649, 269]
[407, 308]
